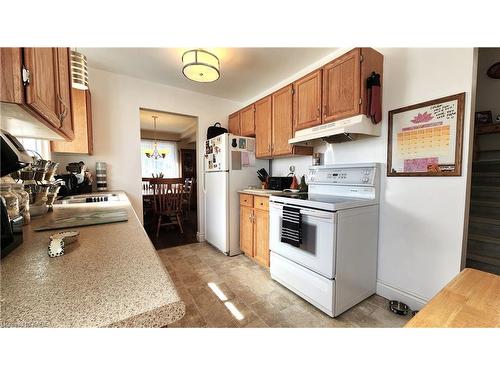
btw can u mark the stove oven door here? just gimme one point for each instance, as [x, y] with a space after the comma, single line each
[317, 251]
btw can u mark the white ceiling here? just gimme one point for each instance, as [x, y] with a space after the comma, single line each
[168, 122]
[245, 72]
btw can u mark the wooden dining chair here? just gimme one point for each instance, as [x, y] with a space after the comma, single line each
[188, 192]
[168, 203]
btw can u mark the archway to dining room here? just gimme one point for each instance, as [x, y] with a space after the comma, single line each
[168, 167]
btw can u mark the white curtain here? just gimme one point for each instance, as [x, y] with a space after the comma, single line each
[169, 166]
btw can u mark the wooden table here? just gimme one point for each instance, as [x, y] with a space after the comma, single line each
[471, 299]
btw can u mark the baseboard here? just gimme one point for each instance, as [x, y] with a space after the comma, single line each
[200, 236]
[391, 293]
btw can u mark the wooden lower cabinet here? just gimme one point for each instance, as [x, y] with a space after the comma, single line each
[261, 237]
[246, 230]
[254, 228]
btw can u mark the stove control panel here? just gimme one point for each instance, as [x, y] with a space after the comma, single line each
[364, 176]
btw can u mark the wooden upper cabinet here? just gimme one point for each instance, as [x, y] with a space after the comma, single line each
[42, 92]
[234, 123]
[247, 121]
[11, 83]
[307, 104]
[342, 87]
[64, 84]
[263, 127]
[47, 91]
[82, 123]
[282, 121]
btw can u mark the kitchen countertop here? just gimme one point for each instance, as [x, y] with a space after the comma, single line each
[111, 277]
[471, 299]
[264, 192]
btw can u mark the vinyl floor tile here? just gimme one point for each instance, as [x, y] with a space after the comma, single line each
[242, 294]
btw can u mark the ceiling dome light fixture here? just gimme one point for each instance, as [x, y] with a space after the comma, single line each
[79, 71]
[200, 66]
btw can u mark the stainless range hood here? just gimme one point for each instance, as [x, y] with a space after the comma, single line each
[348, 129]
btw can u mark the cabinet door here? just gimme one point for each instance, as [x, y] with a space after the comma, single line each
[263, 127]
[282, 121]
[246, 230]
[247, 121]
[342, 87]
[261, 239]
[11, 83]
[82, 124]
[42, 92]
[307, 100]
[64, 96]
[234, 123]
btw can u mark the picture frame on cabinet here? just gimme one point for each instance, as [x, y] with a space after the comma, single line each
[483, 118]
[426, 139]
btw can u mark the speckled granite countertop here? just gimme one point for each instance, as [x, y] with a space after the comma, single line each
[111, 277]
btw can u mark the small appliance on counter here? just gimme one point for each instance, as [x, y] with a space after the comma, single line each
[279, 183]
[77, 181]
[37, 180]
[13, 158]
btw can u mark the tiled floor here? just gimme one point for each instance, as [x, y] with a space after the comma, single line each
[221, 291]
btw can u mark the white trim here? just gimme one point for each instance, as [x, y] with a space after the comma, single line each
[200, 236]
[392, 293]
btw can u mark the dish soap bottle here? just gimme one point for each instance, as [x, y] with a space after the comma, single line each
[303, 185]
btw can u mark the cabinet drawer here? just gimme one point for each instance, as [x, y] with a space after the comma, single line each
[261, 203]
[246, 200]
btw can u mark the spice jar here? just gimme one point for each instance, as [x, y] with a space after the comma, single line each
[24, 201]
[11, 201]
[316, 158]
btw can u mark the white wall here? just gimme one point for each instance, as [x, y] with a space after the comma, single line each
[421, 218]
[116, 100]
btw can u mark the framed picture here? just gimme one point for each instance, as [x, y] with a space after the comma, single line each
[483, 118]
[425, 139]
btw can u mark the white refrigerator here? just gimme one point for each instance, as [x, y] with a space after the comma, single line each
[230, 166]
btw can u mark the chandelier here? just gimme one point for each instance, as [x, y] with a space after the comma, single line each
[155, 153]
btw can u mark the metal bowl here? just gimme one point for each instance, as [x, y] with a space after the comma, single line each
[399, 308]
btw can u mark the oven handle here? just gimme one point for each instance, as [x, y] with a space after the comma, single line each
[305, 211]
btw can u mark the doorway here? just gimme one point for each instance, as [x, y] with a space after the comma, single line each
[483, 245]
[168, 166]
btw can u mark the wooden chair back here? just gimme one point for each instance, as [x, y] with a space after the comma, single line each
[168, 197]
[188, 187]
[146, 187]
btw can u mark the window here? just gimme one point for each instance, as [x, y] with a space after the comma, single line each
[169, 166]
[40, 146]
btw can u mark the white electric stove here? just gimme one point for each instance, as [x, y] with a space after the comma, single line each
[335, 266]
